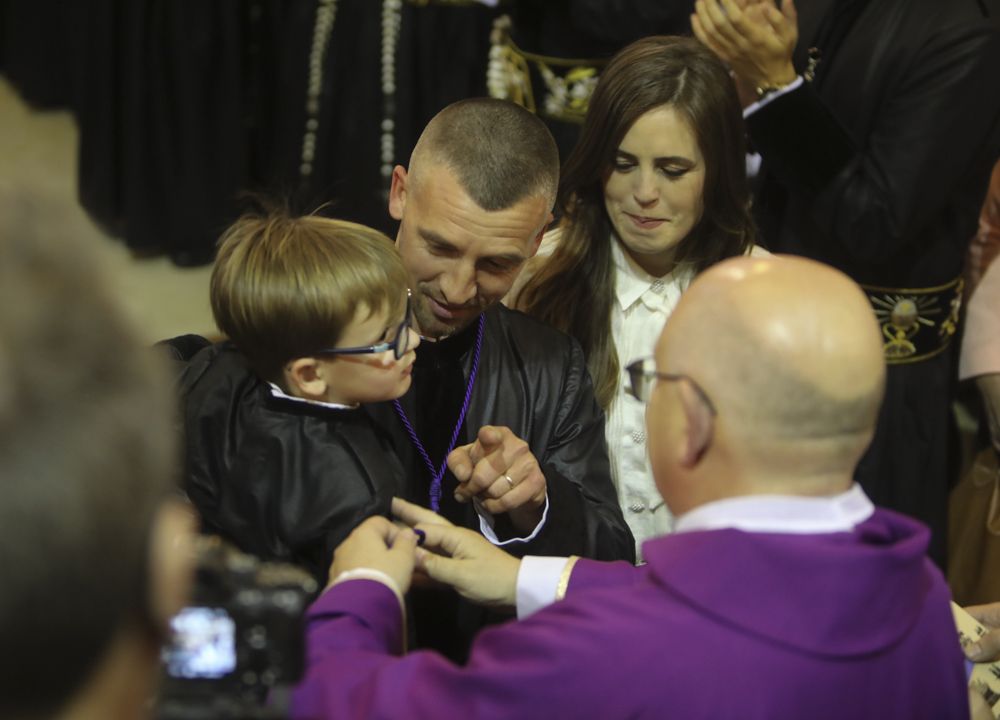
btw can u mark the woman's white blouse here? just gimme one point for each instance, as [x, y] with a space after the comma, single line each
[641, 306]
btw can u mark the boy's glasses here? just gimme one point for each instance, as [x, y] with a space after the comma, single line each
[399, 344]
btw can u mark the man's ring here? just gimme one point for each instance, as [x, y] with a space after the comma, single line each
[509, 481]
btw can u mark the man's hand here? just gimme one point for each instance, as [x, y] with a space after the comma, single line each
[500, 470]
[753, 37]
[378, 544]
[463, 559]
[987, 648]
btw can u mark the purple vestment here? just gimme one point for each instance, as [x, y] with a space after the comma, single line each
[718, 624]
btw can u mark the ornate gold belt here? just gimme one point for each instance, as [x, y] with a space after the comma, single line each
[917, 323]
[566, 83]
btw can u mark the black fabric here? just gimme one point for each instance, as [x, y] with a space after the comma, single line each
[594, 28]
[834, 28]
[533, 380]
[284, 480]
[38, 50]
[904, 127]
[589, 30]
[441, 57]
[186, 107]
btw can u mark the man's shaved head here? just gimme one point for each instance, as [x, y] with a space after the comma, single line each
[499, 152]
[790, 354]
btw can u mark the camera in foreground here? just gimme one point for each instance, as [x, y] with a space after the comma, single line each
[239, 641]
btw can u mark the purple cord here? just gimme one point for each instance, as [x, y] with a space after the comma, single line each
[435, 492]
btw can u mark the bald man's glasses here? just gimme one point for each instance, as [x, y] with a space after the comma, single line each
[642, 376]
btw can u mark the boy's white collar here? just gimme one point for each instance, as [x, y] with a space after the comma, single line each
[279, 393]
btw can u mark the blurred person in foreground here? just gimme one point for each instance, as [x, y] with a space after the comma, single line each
[95, 553]
[783, 592]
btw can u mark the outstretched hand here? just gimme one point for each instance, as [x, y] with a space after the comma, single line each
[461, 558]
[500, 470]
[378, 544]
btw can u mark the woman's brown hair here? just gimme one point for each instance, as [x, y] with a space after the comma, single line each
[574, 288]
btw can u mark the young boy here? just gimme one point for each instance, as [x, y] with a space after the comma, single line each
[279, 456]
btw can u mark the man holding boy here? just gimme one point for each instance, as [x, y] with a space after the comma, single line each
[505, 399]
[472, 209]
[783, 594]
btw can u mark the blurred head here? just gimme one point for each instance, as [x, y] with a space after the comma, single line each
[788, 355]
[661, 157]
[472, 208]
[286, 289]
[91, 545]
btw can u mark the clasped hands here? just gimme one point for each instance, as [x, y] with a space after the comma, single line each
[499, 470]
[753, 37]
[461, 558]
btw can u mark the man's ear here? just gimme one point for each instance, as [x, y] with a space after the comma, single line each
[538, 238]
[172, 560]
[304, 378]
[698, 423]
[397, 192]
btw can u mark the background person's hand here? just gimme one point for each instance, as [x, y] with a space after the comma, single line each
[500, 470]
[986, 648]
[753, 37]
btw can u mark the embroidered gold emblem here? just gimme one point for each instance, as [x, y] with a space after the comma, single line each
[566, 84]
[914, 323]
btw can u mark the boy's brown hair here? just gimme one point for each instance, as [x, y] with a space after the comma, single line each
[285, 287]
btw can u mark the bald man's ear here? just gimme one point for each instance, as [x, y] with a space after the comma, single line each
[397, 192]
[304, 379]
[698, 423]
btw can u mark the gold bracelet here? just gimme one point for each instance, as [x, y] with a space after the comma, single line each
[564, 577]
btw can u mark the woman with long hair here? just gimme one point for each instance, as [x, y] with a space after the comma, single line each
[654, 192]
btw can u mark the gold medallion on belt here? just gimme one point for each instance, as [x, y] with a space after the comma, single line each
[917, 323]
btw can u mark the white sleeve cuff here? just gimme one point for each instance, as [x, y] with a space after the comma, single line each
[751, 109]
[486, 525]
[370, 574]
[538, 583]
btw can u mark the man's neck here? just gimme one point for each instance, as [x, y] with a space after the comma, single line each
[457, 341]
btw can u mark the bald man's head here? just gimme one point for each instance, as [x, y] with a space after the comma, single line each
[790, 353]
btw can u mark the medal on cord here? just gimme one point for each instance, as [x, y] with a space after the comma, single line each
[436, 475]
